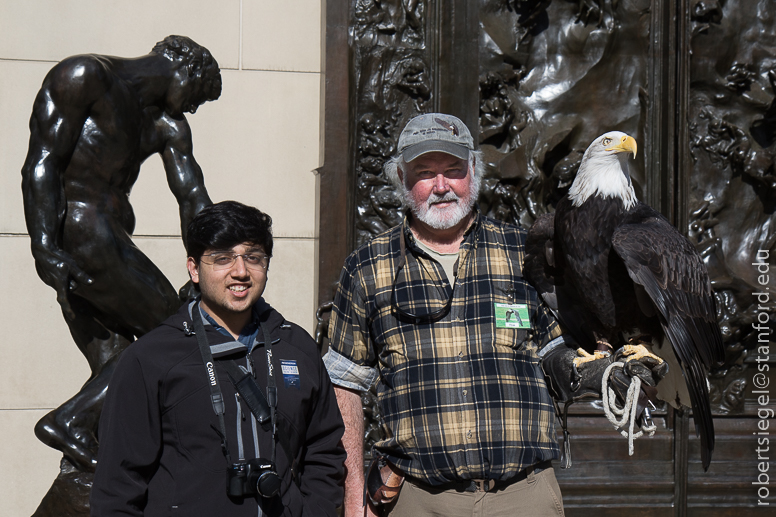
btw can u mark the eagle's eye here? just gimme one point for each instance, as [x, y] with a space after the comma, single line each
[607, 141]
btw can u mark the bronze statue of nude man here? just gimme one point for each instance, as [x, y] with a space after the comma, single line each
[95, 120]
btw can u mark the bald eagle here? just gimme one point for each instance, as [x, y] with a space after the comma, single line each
[613, 268]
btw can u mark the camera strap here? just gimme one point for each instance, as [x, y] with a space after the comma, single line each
[263, 409]
[216, 396]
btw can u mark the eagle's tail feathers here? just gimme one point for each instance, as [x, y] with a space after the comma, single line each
[682, 339]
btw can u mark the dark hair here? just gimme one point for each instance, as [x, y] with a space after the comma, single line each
[225, 225]
[201, 64]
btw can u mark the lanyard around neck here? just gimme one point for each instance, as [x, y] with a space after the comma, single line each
[245, 384]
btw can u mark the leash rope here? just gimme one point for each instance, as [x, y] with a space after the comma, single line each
[627, 412]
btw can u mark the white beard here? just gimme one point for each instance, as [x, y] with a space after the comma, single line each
[440, 218]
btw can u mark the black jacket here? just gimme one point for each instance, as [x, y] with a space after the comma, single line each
[160, 451]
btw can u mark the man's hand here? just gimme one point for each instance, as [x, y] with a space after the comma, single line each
[58, 269]
[354, 509]
[568, 383]
[369, 511]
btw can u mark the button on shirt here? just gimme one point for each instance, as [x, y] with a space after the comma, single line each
[462, 398]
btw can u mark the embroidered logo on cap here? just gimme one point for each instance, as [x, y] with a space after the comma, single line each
[447, 125]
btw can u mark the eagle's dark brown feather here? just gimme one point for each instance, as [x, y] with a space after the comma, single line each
[661, 260]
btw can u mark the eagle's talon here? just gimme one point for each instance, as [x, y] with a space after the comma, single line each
[638, 352]
[583, 356]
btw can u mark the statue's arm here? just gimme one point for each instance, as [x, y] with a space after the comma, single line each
[184, 175]
[58, 114]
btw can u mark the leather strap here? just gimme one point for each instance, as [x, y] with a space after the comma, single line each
[215, 391]
[383, 481]
[251, 393]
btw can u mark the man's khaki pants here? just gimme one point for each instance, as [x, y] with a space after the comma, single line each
[536, 496]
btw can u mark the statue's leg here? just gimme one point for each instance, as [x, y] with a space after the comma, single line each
[132, 294]
[128, 298]
[71, 428]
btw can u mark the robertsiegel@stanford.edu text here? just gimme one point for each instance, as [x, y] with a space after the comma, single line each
[761, 379]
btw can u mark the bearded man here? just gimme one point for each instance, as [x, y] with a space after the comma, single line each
[421, 310]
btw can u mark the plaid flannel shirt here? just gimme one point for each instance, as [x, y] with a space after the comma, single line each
[462, 398]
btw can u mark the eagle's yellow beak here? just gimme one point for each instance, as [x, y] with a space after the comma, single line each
[626, 145]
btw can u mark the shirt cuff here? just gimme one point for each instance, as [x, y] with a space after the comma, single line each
[344, 372]
[558, 341]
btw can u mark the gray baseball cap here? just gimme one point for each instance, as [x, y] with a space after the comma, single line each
[435, 132]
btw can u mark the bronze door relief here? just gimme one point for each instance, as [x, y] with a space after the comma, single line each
[694, 81]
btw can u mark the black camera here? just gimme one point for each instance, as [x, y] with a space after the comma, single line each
[257, 476]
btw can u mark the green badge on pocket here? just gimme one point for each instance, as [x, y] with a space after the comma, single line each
[512, 316]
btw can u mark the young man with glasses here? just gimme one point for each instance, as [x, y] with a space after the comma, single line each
[421, 311]
[226, 408]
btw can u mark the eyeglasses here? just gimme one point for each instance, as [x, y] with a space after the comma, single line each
[430, 317]
[225, 260]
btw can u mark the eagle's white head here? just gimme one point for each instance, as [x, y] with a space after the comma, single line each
[605, 171]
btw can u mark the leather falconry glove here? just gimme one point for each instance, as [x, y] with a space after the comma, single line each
[568, 383]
